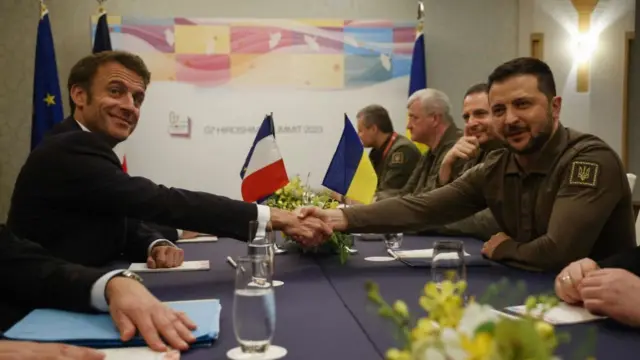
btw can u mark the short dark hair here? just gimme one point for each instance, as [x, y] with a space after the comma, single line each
[477, 88]
[526, 66]
[378, 116]
[83, 72]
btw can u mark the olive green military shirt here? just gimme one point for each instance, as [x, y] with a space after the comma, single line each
[481, 225]
[573, 202]
[394, 166]
[426, 174]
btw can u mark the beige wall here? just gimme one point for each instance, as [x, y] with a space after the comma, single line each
[465, 40]
[600, 110]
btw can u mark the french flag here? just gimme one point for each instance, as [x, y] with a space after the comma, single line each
[263, 172]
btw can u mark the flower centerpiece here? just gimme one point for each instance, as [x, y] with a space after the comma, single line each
[453, 330]
[295, 195]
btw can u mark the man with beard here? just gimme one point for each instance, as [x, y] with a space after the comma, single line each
[559, 195]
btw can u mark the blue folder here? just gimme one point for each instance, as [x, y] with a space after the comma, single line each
[99, 331]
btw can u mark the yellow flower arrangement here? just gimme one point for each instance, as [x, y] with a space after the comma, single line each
[457, 330]
[295, 195]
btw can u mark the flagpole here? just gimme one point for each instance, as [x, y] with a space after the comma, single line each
[420, 16]
[277, 250]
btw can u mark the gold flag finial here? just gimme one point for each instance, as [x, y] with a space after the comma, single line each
[420, 16]
[43, 9]
[101, 9]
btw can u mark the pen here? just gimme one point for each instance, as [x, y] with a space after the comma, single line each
[395, 256]
[231, 262]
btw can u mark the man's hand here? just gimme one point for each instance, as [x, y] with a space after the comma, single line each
[165, 257]
[490, 246]
[570, 278]
[333, 217]
[308, 231]
[466, 148]
[133, 307]
[612, 292]
[24, 350]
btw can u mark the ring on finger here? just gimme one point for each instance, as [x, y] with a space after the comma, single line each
[566, 279]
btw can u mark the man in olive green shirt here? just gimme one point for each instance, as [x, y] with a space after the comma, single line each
[431, 123]
[472, 149]
[557, 194]
[393, 156]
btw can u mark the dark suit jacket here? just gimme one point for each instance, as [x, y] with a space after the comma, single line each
[73, 197]
[628, 260]
[30, 277]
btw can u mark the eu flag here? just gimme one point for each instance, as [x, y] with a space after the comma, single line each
[47, 100]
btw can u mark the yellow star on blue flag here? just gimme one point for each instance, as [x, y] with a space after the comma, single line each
[50, 100]
[46, 88]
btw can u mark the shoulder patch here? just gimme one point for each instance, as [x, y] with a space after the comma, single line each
[584, 173]
[397, 158]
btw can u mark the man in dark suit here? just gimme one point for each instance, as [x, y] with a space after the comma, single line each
[73, 198]
[30, 277]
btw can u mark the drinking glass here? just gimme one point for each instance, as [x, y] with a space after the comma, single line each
[448, 261]
[254, 309]
[393, 241]
[263, 243]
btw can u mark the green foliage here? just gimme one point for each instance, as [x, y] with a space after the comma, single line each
[295, 195]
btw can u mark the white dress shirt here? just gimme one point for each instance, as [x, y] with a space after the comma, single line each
[98, 294]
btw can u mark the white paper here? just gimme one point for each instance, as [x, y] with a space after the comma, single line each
[425, 253]
[198, 239]
[186, 266]
[139, 353]
[561, 314]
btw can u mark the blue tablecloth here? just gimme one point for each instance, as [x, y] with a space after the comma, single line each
[398, 281]
[311, 322]
[322, 310]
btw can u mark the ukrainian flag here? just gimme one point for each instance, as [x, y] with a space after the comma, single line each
[418, 76]
[351, 173]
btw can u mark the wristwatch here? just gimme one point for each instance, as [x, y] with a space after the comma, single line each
[130, 275]
[125, 273]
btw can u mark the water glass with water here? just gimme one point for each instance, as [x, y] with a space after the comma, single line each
[393, 241]
[262, 243]
[254, 309]
[448, 261]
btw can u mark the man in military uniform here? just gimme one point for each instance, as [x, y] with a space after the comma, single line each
[472, 149]
[393, 156]
[431, 123]
[559, 195]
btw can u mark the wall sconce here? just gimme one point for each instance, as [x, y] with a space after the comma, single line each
[585, 41]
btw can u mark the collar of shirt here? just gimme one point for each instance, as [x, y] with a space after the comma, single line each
[452, 134]
[376, 154]
[84, 128]
[551, 150]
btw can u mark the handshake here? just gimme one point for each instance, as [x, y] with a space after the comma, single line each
[310, 226]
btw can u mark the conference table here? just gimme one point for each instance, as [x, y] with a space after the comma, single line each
[323, 311]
